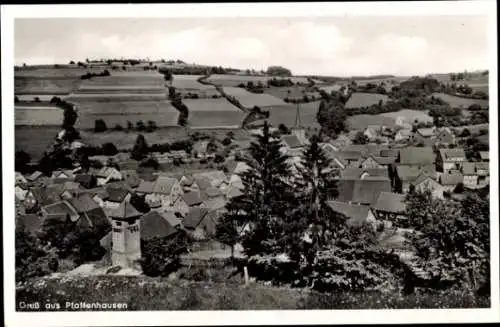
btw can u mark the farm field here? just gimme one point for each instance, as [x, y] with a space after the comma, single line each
[410, 116]
[361, 122]
[52, 86]
[189, 82]
[286, 114]
[126, 140]
[213, 113]
[147, 81]
[50, 72]
[234, 80]
[113, 113]
[35, 139]
[360, 100]
[249, 100]
[28, 98]
[458, 102]
[296, 92]
[79, 98]
[38, 115]
[392, 80]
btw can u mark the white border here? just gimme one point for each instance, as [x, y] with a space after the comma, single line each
[236, 10]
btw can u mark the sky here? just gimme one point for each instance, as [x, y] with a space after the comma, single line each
[335, 46]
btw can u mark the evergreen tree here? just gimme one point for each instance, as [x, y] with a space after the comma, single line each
[266, 191]
[140, 148]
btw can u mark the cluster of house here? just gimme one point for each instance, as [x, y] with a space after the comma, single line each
[101, 199]
[373, 180]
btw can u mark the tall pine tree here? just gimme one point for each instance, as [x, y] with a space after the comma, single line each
[266, 194]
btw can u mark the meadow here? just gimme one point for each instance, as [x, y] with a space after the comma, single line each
[121, 112]
[459, 102]
[294, 92]
[250, 100]
[52, 86]
[79, 98]
[35, 139]
[235, 80]
[360, 100]
[410, 116]
[189, 82]
[286, 114]
[213, 113]
[43, 97]
[38, 115]
[361, 122]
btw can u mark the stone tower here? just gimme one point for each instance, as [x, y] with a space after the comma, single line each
[126, 233]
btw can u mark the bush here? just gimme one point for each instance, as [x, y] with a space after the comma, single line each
[100, 126]
[150, 162]
[109, 149]
[118, 127]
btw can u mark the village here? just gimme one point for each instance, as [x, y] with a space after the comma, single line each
[130, 205]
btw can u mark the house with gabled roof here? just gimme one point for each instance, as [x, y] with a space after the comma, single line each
[405, 175]
[404, 135]
[63, 174]
[91, 215]
[156, 225]
[86, 180]
[450, 180]
[362, 191]
[116, 196]
[186, 201]
[390, 207]
[356, 214]
[131, 178]
[166, 191]
[62, 211]
[377, 162]
[475, 174]
[34, 176]
[426, 135]
[451, 159]
[445, 136]
[416, 156]
[428, 182]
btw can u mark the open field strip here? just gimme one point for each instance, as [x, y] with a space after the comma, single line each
[360, 100]
[42, 97]
[56, 72]
[457, 102]
[216, 113]
[235, 80]
[292, 92]
[51, 86]
[79, 98]
[38, 115]
[120, 113]
[189, 82]
[250, 100]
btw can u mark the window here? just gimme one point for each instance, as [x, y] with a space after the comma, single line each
[118, 223]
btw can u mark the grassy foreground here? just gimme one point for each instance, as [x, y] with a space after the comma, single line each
[143, 293]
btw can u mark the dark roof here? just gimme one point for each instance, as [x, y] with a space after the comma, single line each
[423, 177]
[215, 203]
[116, 194]
[84, 179]
[97, 217]
[410, 173]
[389, 153]
[356, 214]
[203, 182]
[154, 224]
[452, 153]
[194, 217]
[469, 168]
[364, 191]
[37, 174]
[59, 208]
[209, 223]
[164, 185]
[124, 211]
[390, 202]
[416, 155]
[384, 160]
[212, 192]
[367, 149]
[291, 141]
[451, 178]
[146, 187]
[119, 185]
[355, 173]
[83, 203]
[191, 198]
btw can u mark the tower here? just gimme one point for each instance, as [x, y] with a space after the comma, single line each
[126, 233]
